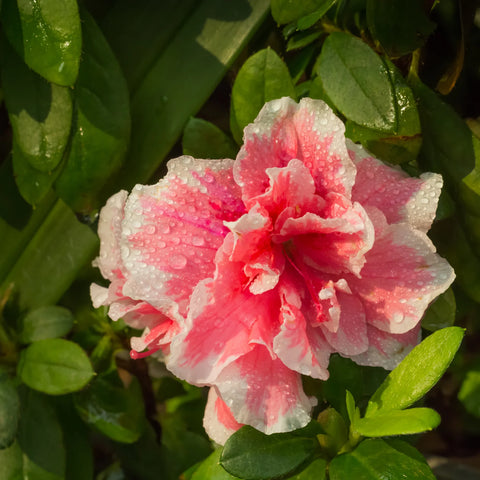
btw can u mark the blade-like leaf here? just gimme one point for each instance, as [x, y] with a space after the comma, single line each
[417, 373]
[210, 469]
[55, 366]
[398, 422]
[47, 34]
[101, 123]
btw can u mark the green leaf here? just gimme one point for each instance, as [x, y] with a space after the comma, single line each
[47, 34]
[40, 438]
[145, 26]
[210, 469]
[263, 77]
[441, 313]
[308, 20]
[317, 470]
[51, 321]
[114, 410]
[357, 81]
[163, 103]
[469, 393]
[336, 431]
[101, 123]
[47, 255]
[286, 11]
[55, 366]
[377, 460]
[40, 113]
[252, 455]
[32, 184]
[400, 26]
[9, 411]
[418, 372]
[398, 422]
[11, 463]
[302, 39]
[202, 139]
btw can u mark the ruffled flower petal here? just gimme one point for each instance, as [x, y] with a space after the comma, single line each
[172, 230]
[400, 197]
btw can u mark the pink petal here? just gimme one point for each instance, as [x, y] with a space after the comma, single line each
[173, 229]
[225, 322]
[285, 130]
[109, 230]
[218, 420]
[350, 338]
[262, 392]
[300, 346]
[400, 197]
[402, 275]
[387, 350]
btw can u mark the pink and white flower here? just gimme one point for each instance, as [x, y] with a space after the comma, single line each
[250, 273]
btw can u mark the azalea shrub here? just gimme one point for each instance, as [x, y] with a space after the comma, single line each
[239, 239]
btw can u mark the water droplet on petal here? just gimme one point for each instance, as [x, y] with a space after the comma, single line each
[198, 241]
[150, 229]
[398, 317]
[178, 262]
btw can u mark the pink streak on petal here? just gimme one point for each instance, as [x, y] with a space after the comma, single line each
[176, 228]
[261, 391]
[225, 322]
[218, 421]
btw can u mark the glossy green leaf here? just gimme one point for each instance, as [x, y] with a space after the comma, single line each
[113, 409]
[139, 31]
[50, 321]
[263, 77]
[9, 411]
[252, 455]
[317, 470]
[308, 20]
[398, 422]
[32, 184]
[357, 81]
[285, 11]
[55, 366]
[377, 460]
[202, 139]
[40, 438]
[52, 254]
[302, 39]
[48, 36]
[418, 372]
[101, 123]
[210, 469]
[401, 26]
[40, 113]
[163, 103]
[469, 393]
[441, 313]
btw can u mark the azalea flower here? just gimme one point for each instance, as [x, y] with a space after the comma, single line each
[248, 274]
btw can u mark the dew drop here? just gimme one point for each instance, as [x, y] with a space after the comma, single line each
[178, 261]
[150, 229]
[198, 241]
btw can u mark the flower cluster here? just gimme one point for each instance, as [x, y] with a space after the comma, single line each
[248, 274]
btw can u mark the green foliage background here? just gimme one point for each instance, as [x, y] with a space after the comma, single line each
[95, 97]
